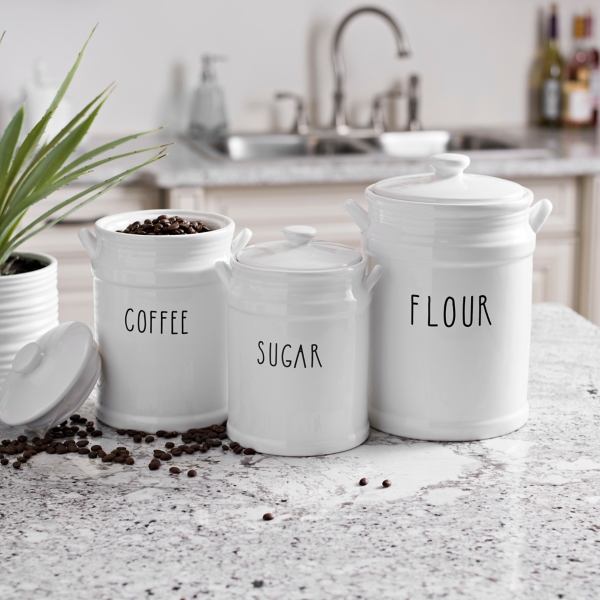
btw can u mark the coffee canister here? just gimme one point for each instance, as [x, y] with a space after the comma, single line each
[298, 328]
[451, 316]
[160, 321]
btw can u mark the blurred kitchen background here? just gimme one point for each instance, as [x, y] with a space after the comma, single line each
[508, 82]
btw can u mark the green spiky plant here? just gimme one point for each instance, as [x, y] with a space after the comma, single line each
[33, 171]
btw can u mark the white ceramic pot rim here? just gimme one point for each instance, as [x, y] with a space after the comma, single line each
[278, 273]
[107, 224]
[43, 257]
[432, 202]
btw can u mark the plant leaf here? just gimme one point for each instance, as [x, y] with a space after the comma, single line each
[8, 144]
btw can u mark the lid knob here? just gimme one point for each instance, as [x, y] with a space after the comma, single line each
[449, 165]
[27, 359]
[298, 235]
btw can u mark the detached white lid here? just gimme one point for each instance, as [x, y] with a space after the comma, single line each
[50, 378]
[449, 185]
[298, 253]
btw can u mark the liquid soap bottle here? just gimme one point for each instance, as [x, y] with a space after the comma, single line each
[208, 121]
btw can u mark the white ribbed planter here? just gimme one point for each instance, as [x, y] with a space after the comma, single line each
[28, 308]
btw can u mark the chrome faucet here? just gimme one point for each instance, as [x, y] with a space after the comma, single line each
[339, 97]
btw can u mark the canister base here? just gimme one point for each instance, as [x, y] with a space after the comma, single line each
[120, 420]
[447, 431]
[284, 449]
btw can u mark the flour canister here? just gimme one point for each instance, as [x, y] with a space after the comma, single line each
[451, 315]
[160, 322]
[298, 326]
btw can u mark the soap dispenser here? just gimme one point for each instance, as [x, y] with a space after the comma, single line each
[208, 121]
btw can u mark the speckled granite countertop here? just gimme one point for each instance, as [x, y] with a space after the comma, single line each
[512, 517]
[541, 153]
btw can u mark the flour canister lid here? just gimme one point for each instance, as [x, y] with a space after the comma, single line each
[50, 378]
[449, 184]
[298, 253]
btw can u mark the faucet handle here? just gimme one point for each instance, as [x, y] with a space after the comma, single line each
[377, 121]
[301, 122]
[414, 100]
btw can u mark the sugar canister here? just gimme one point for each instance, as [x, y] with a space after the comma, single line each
[298, 330]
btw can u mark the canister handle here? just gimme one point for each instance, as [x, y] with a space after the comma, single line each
[224, 272]
[89, 241]
[538, 214]
[358, 214]
[372, 278]
[241, 240]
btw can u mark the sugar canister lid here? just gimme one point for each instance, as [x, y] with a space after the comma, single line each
[449, 184]
[298, 253]
[50, 378]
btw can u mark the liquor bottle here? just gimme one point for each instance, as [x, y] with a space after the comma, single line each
[551, 76]
[594, 63]
[577, 98]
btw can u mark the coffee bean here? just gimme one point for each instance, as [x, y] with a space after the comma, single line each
[153, 466]
[142, 434]
[222, 436]
[4, 461]
[234, 444]
[17, 464]
[83, 434]
[108, 458]
[61, 450]
[175, 470]
[165, 456]
[121, 431]
[149, 439]
[22, 438]
[131, 432]
[119, 459]
[101, 453]
[363, 481]
[268, 517]
[50, 450]
[191, 473]
[238, 449]
[225, 447]
[386, 483]
[82, 443]
[75, 417]
[161, 433]
[95, 448]
[84, 450]
[176, 452]
[95, 433]
[93, 454]
[249, 451]
[129, 461]
[169, 445]
[137, 438]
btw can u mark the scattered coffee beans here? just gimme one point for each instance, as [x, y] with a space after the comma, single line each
[164, 225]
[268, 517]
[386, 483]
[363, 481]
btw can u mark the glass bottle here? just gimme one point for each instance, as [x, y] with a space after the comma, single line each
[577, 98]
[551, 76]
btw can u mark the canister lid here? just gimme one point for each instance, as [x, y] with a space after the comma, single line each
[449, 185]
[299, 253]
[50, 378]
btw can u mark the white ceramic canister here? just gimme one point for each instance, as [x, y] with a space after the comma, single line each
[160, 319]
[28, 308]
[298, 325]
[451, 316]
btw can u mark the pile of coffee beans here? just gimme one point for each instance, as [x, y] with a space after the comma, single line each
[59, 440]
[164, 225]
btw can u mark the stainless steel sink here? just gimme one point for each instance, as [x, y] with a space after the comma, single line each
[395, 144]
[248, 147]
